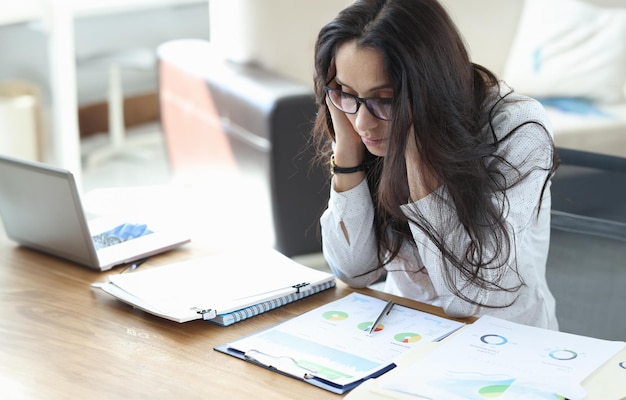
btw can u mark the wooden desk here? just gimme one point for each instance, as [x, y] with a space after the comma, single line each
[61, 339]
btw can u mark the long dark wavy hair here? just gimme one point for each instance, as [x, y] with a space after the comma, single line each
[442, 95]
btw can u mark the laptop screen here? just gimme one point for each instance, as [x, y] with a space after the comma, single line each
[41, 209]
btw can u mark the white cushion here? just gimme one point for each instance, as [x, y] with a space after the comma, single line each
[569, 48]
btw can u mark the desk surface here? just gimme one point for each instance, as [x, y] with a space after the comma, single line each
[62, 339]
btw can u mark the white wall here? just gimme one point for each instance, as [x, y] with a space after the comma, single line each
[277, 34]
[24, 46]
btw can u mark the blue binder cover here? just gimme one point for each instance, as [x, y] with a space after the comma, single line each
[308, 378]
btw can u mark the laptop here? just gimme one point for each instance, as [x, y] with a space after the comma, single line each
[41, 209]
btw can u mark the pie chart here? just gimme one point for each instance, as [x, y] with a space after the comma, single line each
[563, 354]
[492, 339]
[335, 315]
[407, 337]
[365, 326]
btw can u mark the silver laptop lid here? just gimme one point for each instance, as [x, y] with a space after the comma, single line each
[40, 208]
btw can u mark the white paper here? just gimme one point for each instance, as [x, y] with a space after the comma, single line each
[224, 282]
[332, 341]
[493, 358]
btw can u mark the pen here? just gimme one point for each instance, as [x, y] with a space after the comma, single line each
[137, 263]
[134, 265]
[380, 317]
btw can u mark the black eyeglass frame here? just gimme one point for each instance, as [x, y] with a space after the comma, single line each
[359, 101]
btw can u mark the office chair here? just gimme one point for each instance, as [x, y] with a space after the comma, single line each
[586, 267]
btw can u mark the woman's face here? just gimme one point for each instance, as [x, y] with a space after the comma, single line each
[360, 72]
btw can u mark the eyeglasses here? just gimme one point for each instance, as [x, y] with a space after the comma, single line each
[379, 107]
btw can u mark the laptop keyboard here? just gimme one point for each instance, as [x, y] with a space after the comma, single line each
[119, 234]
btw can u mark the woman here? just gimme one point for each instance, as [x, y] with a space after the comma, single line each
[441, 172]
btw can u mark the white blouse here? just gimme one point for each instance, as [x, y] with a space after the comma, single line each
[417, 271]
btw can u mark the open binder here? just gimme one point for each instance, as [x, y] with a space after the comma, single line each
[330, 347]
[222, 289]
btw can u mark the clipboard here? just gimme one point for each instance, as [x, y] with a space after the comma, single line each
[302, 374]
[330, 346]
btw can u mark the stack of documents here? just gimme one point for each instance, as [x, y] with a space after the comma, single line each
[222, 289]
[494, 358]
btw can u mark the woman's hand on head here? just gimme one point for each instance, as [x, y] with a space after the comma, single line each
[349, 149]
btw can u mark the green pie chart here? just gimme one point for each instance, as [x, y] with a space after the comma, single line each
[335, 315]
[407, 337]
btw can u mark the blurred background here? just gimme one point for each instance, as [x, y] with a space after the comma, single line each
[80, 81]
[74, 75]
[42, 41]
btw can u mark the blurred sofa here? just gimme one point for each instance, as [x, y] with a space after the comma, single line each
[569, 54]
[579, 45]
[243, 118]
